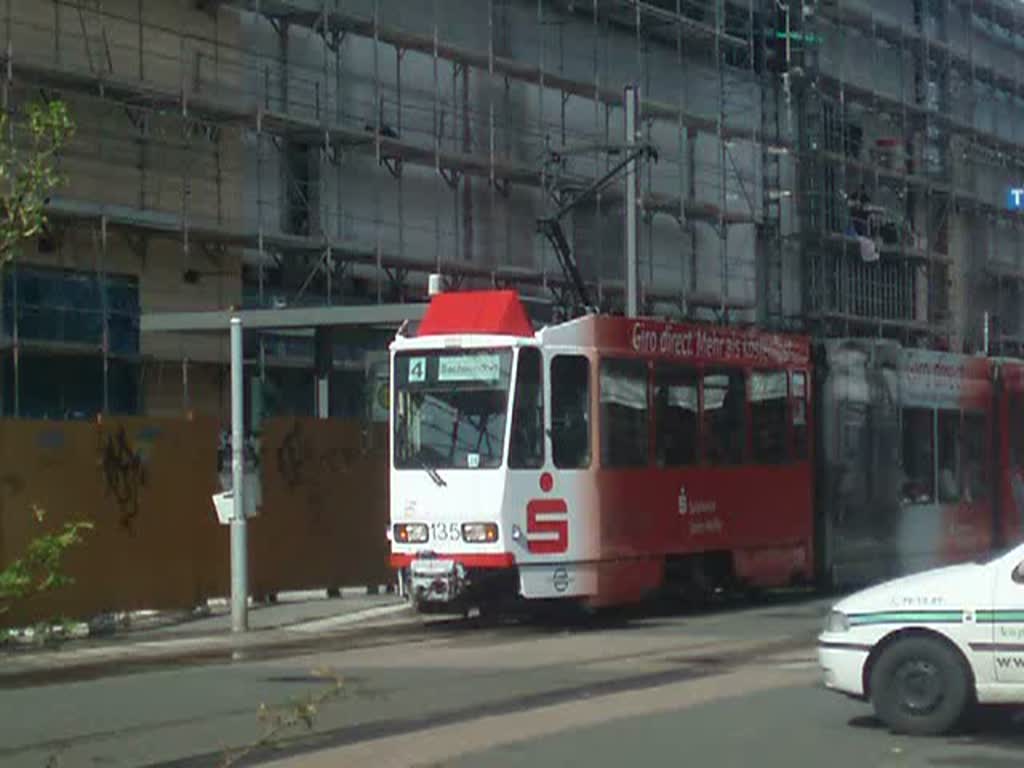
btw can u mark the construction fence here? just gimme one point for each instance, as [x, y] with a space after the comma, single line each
[146, 486]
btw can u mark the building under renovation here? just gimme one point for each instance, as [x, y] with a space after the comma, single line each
[841, 168]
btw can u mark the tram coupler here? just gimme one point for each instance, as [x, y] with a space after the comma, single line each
[436, 581]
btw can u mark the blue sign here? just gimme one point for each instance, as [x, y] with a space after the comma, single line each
[1015, 199]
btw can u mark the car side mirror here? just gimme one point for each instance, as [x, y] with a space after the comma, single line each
[1018, 574]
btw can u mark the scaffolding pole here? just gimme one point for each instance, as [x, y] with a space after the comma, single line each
[632, 271]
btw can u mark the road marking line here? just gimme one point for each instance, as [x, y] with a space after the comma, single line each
[802, 664]
[333, 622]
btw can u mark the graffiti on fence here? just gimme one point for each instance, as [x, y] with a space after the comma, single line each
[306, 465]
[293, 455]
[124, 474]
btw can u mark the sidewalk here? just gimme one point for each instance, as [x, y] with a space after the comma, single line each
[296, 622]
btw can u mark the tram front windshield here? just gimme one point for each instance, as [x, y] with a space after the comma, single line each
[450, 408]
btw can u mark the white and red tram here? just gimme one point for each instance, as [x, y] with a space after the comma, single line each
[606, 458]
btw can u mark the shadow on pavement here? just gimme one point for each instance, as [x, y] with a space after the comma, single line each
[987, 726]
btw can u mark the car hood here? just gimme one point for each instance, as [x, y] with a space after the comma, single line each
[951, 588]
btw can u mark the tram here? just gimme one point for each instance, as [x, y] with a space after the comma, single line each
[606, 459]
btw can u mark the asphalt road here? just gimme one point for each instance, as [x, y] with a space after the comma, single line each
[728, 687]
[786, 726]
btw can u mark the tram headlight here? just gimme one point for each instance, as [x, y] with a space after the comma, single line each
[411, 533]
[836, 621]
[479, 533]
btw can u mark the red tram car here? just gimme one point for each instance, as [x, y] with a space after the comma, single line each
[606, 458]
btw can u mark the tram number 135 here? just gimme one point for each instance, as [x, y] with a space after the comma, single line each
[445, 532]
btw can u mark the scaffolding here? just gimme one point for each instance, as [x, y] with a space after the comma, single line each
[237, 87]
[919, 144]
[240, 146]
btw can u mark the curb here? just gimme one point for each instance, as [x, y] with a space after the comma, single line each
[375, 625]
[108, 625]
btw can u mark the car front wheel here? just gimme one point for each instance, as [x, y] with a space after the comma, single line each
[919, 686]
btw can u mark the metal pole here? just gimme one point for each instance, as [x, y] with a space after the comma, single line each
[631, 260]
[239, 546]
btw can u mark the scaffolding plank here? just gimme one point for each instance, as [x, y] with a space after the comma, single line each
[161, 224]
[863, 19]
[476, 165]
[838, 88]
[863, 321]
[850, 243]
[126, 90]
[339, 21]
[911, 179]
[280, 319]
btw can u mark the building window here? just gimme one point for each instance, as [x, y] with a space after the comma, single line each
[67, 307]
[570, 411]
[724, 420]
[527, 447]
[624, 416]
[675, 409]
[918, 456]
[768, 395]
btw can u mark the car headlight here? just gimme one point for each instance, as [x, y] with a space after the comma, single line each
[479, 533]
[410, 533]
[837, 621]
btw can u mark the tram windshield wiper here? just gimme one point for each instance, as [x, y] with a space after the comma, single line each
[432, 471]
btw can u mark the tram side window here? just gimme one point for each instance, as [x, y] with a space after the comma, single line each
[918, 456]
[526, 450]
[570, 411]
[675, 416]
[768, 394]
[975, 464]
[1016, 429]
[624, 413]
[724, 420]
[799, 418]
[949, 456]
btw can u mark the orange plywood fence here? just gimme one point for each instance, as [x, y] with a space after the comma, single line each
[144, 484]
[324, 514]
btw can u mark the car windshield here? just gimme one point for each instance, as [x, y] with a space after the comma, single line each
[450, 408]
[996, 554]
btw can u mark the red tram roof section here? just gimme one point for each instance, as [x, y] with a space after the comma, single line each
[495, 313]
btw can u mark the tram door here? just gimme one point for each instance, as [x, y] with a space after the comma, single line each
[859, 461]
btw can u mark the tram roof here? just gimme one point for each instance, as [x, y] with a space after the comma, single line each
[490, 313]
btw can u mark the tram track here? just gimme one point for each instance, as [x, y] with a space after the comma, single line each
[697, 662]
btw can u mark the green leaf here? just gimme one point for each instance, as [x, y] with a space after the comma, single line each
[30, 146]
[41, 568]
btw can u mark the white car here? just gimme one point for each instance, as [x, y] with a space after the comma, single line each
[924, 648]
